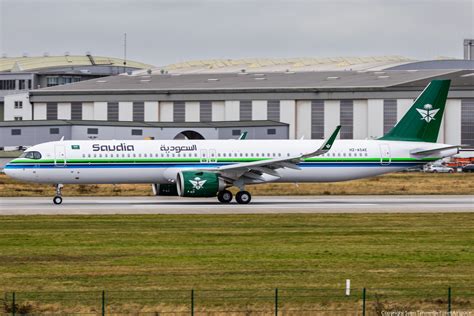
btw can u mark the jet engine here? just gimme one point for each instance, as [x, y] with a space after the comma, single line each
[193, 183]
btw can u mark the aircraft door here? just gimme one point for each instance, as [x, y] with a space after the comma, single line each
[385, 155]
[59, 156]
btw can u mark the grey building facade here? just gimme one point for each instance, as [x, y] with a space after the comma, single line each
[28, 133]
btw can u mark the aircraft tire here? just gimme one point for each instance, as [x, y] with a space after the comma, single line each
[243, 197]
[224, 196]
[57, 200]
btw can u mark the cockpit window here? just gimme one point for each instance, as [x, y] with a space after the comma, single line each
[31, 155]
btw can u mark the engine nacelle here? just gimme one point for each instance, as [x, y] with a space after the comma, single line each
[194, 183]
[168, 189]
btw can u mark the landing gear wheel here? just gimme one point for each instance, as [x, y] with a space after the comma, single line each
[243, 197]
[57, 200]
[224, 196]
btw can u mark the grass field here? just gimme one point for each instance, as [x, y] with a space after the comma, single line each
[397, 183]
[66, 253]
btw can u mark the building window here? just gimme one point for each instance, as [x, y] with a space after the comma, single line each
[7, 84]
[52, 81]
[137, 132]
[51, 111]
[22, 84]
[205, 111]
[179, 111]
[246, 110]
[93, 131]
[16, 131]
[467, 121]
[347, 119]
[389, 115]
[76, 111]
[18, 118]
[54, 130]
[112, 111]
[138, 111]
[271, 131]
[317, 119]
[29, 84]
[273, 110]
[18, 105]
[236, 132]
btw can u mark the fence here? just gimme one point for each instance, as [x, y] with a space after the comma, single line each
[444, 301]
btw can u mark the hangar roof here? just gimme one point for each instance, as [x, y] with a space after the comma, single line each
[15, 64]
[334, 80]
[283, 64]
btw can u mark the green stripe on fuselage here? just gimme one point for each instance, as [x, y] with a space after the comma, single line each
[237, 160]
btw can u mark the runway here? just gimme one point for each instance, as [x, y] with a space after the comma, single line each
[259, 205]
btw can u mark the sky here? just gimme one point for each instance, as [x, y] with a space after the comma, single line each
[162, 32]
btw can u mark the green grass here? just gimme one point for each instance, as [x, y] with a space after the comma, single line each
[65, 253]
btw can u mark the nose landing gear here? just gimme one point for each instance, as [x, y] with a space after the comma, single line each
[58, 198]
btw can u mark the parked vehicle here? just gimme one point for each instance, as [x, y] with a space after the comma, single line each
[439, 169]
[468, 168]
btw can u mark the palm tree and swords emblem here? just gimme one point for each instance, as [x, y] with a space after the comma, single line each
[428, 113]
[197, 183]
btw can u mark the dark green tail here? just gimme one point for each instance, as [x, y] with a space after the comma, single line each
[421, 123]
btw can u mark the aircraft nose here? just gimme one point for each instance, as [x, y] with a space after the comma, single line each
[11, 171]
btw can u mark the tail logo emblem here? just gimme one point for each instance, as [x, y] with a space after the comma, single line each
[197, 183]
[428, 114]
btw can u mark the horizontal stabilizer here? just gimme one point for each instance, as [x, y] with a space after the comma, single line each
[432, 151]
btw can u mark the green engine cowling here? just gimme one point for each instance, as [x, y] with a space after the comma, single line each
[194, 183]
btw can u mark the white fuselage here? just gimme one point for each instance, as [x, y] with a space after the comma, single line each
[159, 161]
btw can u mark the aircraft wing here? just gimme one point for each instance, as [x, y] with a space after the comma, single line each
[255, 170]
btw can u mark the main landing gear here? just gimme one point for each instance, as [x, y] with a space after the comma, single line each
[242, 197]
[58, 198]
[224, 196]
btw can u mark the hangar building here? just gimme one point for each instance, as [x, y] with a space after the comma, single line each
[309, 96]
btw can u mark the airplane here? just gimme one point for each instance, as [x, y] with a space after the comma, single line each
[207, 168]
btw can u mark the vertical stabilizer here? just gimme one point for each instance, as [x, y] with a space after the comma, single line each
[422, 121]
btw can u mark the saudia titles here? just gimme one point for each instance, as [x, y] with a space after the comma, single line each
[121, 147]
